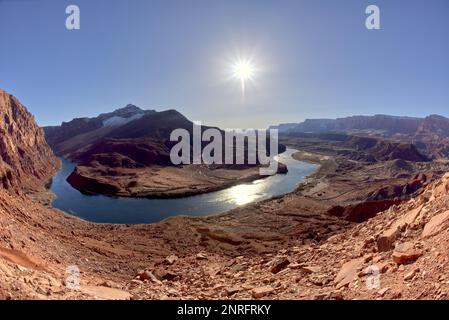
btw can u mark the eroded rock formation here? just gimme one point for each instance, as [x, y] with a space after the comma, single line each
[25, 158]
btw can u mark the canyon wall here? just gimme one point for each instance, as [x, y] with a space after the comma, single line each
[26, 161]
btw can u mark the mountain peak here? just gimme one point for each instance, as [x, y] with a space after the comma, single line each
[129, 108]
[128, 111]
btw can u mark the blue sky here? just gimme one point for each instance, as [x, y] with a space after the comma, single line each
[315, 58]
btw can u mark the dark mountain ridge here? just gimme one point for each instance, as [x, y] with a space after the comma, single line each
[104, 123]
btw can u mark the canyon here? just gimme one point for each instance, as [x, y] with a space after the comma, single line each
[127, 153]
[429, 134]
[373, 205]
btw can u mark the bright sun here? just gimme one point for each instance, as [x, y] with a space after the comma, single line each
[244, 71]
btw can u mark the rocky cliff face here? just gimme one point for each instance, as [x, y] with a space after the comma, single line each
[26, 161]
[434, 124]
[385, 123]
[430, 134]
[383, 150]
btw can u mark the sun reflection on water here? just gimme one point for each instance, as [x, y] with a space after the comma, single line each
[249, 192]
[244, 193]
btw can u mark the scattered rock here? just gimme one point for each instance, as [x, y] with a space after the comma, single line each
[147, 275]
[407, 257]
[310, 269]
[383, 291]
[368, 242]
[404, 247]
[162, 274]
[436, 225]
[383, 267]
[295, 266]
[107, 283]
[348, 273]
[232, 290]
[387, 238]
[320, 280]
[201, 256]
[396, 294]
[261, 292]
[320, 296]
[171, 259]
[411, 275]
[279, 264]
[237, 268]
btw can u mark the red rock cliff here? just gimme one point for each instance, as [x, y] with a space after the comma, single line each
[26, 161]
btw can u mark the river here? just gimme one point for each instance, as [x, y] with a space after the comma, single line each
[103, 209]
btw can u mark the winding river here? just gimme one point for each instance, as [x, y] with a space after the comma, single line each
[102, 209]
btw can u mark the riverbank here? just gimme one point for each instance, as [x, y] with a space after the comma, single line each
[159, 182]
[105, 209]
[327, 163]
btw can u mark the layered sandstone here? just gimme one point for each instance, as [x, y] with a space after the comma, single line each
[26, 161]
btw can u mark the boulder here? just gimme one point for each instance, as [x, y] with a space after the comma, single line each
[261, 292]
[147, 275]
[232, 290]
[171, 259]
[295, 266]
[437, 224]
[348, 272]
[406, 257]
[386, 240]
[383, 291]
[162, 274]
[311, 269]
[279, 264]
[201, 256]
[411, 275]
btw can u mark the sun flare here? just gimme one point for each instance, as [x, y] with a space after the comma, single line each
[243, 70]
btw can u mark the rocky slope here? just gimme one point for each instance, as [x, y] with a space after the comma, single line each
[399, 254]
